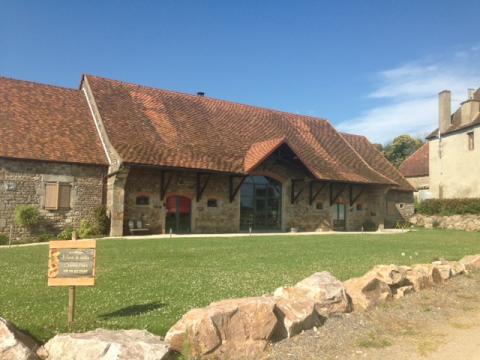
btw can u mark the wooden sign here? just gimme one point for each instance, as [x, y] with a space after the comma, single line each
[71, 263]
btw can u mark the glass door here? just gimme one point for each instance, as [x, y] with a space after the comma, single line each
[260, 204]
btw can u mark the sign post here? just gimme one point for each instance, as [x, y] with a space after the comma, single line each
[72, 263]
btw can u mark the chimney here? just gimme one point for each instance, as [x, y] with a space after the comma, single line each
[444, 110]
[200, 93]
[470, 93]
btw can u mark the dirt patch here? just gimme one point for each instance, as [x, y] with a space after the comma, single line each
[438, 323]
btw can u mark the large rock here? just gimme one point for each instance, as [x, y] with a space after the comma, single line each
[471, 262]
[449, 268]
[107, 345]
[309, 302]
[15, 345]
[367, 291]
[229, 329]
[423, 276]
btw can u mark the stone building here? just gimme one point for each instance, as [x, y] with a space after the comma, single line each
[415, 169]
[164, 161]
[454, 158]
[50, 157]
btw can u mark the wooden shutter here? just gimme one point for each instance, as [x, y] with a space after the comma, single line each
[51, 196]
[64, 196]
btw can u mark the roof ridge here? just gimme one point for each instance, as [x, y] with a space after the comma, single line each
[208, 98]
[38, 83]
[390, 165]
[341, 134]
[416, 151]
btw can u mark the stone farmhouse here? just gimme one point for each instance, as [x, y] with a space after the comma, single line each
[164, 161]
[454, 158]
[416, 170]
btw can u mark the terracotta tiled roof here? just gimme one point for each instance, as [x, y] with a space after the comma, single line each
[43, 122]
[376, 160]
[156, 127]
[416, 164]
[456, 126]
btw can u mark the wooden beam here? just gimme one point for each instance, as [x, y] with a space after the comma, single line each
[354, 198]
[334, 197]
[313, 195]
[294, 196]
[233, 190]
[201, 187]
[165, 182]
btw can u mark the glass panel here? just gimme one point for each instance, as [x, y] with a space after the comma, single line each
[260, 204]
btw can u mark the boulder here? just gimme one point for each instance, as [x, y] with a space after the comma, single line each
[15, 345]
[449, 268]
[471, 262]
[367, 291]
[403, 290]
[392, 275]
[423, 276]
[309, 302]
[228, 329]
[108, 345]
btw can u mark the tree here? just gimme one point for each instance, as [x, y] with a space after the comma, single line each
[400, 148]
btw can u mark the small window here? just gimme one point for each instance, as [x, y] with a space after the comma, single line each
[359, 207]
[142, 200]
[471, 141]
[57, 196]
[212, 203]
[319, 206]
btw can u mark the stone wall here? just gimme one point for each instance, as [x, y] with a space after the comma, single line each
[23, 183]
[399, 207]
[419, 182]
[454, 222]
[225, 217]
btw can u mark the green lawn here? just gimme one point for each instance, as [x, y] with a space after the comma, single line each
[151, 283]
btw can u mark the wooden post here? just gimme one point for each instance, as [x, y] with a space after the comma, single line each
[71, 294]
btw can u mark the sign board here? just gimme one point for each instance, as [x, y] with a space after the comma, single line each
[71, 263]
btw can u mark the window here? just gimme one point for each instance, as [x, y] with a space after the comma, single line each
[57, 196]
[212, 203]
[142, 200]
[359, 207]
[319, 206]
[471, 141]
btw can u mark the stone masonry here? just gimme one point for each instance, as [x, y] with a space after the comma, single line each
[23, 183]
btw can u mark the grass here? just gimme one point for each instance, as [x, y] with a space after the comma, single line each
[151, 283]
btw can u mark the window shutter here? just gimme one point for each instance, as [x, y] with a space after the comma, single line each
[64, 196]
[51, 196]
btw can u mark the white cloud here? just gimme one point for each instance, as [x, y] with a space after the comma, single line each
[408, 96]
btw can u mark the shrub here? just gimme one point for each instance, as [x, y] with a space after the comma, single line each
[449, 206]
[86, 229]
[101, 223]
[27, 215]
[369, 225]
[45, 237]
[66, 234]
[3, 239]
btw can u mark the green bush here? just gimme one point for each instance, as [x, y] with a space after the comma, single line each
[101, 223]
[449, 206]
[3, 239]
[27, 215]
[45, 237]
[66, 234]
[86, 229]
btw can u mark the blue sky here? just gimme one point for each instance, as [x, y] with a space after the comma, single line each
[370, 67]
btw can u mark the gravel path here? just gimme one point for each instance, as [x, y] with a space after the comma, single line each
[438, 323]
